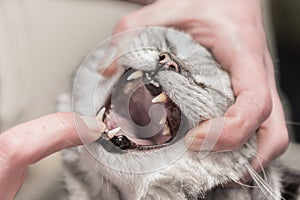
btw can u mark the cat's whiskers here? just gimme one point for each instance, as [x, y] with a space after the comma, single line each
[262, 183]
[292, 123]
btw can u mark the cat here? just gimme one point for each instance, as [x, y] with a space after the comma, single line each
[167, 83]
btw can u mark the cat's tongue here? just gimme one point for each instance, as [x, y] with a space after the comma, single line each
[133, 111]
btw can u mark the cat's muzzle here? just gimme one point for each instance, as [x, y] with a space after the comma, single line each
[138, 115]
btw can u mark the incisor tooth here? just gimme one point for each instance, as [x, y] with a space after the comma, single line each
[101, 114]
[113, 132]
[135, 75]
[166, 131]
[161, 98]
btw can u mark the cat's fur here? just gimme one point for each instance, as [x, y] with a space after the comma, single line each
[172, 172]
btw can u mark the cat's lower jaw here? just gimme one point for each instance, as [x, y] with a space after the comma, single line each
[182, 179]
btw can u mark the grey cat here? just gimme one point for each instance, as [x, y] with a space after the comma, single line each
[168, 85]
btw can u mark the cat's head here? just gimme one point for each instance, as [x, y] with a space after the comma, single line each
[167, 84]
[170, 84]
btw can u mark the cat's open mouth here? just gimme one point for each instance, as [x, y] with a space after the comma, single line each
[138, 114]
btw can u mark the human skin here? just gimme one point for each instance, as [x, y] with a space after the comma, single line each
[31, 141]
[233, 31]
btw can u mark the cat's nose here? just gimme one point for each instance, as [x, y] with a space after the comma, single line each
[167, 62]
[164, 58]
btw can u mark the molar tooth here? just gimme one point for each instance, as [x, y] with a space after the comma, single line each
[128, 87]
[112, 133]
[161, 98]
[101, 114]
[163, 120]
[167, 131]
[135, 75]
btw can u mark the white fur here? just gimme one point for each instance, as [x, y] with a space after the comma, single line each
[173, 172]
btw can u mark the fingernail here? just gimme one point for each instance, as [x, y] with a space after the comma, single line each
[89, 129]
[196, 138]
[194, 143]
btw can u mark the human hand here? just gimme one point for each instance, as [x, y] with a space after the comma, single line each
[29, 142]
[233, 31]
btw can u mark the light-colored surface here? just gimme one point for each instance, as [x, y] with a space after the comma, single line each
[42, 42]
[44, 180]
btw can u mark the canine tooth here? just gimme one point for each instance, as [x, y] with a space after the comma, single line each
[135, 75]
[102, 127]
[166, 131]
[101, 114]
[113, 132]
[161, 98]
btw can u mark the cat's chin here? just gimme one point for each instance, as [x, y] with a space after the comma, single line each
[139, 116]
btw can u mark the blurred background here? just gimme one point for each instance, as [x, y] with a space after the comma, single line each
[285, 17]
[43, 41]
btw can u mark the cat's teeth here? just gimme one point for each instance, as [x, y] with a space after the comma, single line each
[102, 127]
[135, 75]
[167, 131]
[100, 120]
[163, 120]
[161, 98]
[101, 114]
[112, 133]
[128, 87]
[154, 83]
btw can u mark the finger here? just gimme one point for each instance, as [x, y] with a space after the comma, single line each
[11, 180]
[272, 135]
[110, 70]
[36, 139]
[151, 15]
[31, 141]
[252, 107]
[272, 139]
